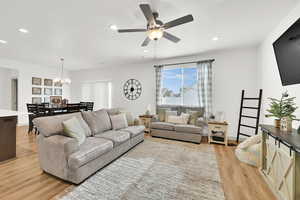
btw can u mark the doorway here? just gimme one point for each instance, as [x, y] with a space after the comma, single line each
[14, 94]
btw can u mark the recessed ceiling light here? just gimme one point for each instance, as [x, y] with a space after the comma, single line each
[113, 27]
[3, 42]
[145, 51]
[23, 30]
[215, 39]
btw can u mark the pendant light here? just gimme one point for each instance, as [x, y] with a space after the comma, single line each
[62, 80]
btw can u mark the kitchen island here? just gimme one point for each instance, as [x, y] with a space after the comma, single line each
[8, 123]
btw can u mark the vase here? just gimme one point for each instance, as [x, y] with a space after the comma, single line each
[277, 123]
[286, 124]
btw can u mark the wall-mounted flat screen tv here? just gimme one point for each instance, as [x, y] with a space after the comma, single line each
[287, 52]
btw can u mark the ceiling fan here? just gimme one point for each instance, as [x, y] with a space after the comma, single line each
[156, 28]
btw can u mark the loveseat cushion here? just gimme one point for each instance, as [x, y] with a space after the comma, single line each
[134, 130]
[162, 126]
[186, 128]
[98, 121]
[117, 137]
[91, 149]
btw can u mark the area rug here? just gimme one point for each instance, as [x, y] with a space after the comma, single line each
[155, 170]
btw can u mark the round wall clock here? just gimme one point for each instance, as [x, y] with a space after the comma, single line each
[132, 89]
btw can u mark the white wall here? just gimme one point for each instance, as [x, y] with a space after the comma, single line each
[268, 70]
[233, 70]
[5, 84]
[25, 73]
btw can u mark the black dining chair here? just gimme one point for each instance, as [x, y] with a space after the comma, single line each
[32, 109]
[73, 107]
[89, 106]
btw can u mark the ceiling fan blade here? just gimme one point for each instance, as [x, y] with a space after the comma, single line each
[131, 30]
[146, 42]
[171, 37]
[179, 21]
[147, 12]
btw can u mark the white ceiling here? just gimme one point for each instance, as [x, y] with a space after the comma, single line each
[79, 30]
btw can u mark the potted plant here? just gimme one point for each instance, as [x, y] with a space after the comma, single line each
[283, 108]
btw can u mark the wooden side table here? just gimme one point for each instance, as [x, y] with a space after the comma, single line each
[218, 130]
[146, 120]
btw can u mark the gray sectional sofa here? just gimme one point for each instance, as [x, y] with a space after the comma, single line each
[62, 157]
[191, 132]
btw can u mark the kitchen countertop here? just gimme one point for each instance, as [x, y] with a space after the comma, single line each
[11, 113]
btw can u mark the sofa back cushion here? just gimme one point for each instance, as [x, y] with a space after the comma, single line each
[98, 121]
[161, 112]
[170, 113]
[52, 125]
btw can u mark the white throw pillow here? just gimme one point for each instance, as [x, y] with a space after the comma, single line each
[250, 141]
[119, 121]
[186, 118]
[72, 128]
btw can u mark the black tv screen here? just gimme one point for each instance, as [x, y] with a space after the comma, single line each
[287, 52]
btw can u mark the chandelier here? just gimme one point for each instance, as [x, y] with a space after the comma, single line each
[62, 80]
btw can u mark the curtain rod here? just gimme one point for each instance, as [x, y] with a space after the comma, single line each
[201, 61]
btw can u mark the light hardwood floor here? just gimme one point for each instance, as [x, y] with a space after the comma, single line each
[21, 178]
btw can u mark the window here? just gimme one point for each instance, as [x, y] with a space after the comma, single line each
[179, 86]
[97, 92]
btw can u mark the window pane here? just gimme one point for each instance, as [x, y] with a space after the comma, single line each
[190, 92]
[171, 86]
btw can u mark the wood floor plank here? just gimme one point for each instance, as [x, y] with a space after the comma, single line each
[22, 178]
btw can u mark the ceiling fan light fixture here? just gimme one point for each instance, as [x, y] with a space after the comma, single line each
[155, 34]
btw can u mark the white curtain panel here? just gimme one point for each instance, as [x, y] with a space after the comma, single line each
[97, 92]
[205, 86]
[158, 74]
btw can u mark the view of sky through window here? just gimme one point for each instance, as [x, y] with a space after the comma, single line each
[179, 86]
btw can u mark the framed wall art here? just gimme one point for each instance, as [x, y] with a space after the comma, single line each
[48, 82]
[36, 81]
[36, 91]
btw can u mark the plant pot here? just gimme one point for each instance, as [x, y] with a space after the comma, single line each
[277, 123]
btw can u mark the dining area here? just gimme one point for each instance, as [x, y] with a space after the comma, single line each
[47, 109]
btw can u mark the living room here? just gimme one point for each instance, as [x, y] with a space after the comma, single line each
[66, 54]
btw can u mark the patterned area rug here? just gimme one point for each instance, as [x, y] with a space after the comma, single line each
[156, 171]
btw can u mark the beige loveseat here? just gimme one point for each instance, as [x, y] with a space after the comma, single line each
[191, 132]
[62, 156]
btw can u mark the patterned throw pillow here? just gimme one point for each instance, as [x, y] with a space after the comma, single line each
[73, 129]
[119, 121]
[194, 115]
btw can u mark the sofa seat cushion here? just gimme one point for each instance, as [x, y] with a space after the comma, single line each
[188, 129]
[117, 137]
[134, 130]
[163, 126]
[91, 149]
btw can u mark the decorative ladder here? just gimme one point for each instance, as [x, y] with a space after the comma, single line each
[247, 116]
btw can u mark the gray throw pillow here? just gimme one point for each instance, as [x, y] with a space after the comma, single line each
[72, 128]
[119, 121]
[129, 117]
[98, 121]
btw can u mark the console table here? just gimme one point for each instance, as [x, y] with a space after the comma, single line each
[8, 122]
[280, 161]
